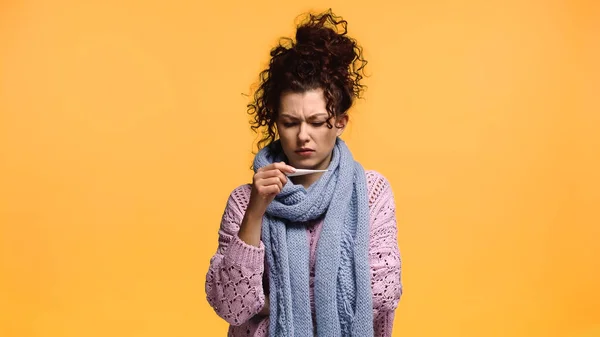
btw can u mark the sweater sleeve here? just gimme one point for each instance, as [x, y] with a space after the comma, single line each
[384, 254]
[234, 281]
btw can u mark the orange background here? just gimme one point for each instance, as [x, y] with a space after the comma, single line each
[123, 130]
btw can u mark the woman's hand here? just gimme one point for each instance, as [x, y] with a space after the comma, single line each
[266, 184]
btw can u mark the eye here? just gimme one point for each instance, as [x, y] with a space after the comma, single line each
[289, 124]
[317, 124]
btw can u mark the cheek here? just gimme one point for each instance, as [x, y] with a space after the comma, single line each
[283, 134]
[328, 137]
[287, 142]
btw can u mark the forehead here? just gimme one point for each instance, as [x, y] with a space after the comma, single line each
[303, 103]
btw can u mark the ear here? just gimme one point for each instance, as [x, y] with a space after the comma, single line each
[340, 124]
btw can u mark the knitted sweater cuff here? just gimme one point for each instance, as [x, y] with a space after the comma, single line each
[246, 255]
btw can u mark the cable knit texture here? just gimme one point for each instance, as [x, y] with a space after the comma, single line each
[342, 297]
[237, 279]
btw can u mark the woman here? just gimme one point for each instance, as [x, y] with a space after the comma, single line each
[313, 254]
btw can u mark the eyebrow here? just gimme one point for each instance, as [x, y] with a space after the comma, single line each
[313, 116]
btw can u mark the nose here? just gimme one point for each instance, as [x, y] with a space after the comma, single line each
[303, 136]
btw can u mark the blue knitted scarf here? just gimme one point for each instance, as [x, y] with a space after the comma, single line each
[342, 289]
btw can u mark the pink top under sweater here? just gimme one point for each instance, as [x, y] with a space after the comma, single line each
[234, 282]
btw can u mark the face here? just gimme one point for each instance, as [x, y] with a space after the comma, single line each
[306, 139]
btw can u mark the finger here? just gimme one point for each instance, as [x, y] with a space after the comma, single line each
[266, 175]
[284, 167]
[271, 177]
[269, 190]
[273, 170]
[266, 167]
[283, 178]
[271, 181]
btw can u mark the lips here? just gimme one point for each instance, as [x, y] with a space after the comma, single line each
[305, 151]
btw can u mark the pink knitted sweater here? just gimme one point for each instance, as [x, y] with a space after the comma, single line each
[238, 273]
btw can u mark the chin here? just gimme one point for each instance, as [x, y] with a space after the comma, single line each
[306, 163]
[301, 164]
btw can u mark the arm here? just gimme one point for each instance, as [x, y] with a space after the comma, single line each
[234, 282]
[384, 254]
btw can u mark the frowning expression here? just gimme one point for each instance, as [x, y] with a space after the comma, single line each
[306, 138]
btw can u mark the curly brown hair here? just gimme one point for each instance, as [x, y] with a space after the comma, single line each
[322, 56]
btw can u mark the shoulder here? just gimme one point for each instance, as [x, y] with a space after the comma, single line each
[378, 186]
[376, 182]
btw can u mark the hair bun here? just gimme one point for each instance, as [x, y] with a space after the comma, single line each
[321, 57]
[320, 37]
